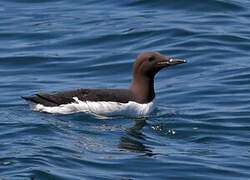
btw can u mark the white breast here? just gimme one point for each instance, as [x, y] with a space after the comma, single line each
[101, 108]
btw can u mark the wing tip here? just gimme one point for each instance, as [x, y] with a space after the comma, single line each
[26, 98]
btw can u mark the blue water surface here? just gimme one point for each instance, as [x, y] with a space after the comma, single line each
[201, 127]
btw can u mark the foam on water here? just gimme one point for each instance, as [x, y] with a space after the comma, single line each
[101, 108]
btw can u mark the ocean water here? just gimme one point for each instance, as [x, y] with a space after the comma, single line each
[201, 126]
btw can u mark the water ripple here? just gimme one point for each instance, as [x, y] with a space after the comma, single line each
[202, 117]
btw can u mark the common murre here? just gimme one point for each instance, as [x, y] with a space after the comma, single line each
[104, 101]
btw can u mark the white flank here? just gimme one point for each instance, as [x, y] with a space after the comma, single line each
[100, 108]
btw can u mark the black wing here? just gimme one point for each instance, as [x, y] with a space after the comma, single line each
[115, 95]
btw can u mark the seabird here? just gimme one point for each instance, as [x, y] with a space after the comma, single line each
[140, 91]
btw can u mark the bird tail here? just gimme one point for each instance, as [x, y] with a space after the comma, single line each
[39, 99]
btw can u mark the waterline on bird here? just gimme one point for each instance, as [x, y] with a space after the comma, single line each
[101, 108]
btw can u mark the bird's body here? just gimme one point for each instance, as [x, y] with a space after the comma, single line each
[140, 92]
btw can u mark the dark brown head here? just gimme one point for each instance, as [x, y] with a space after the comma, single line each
[145, 68]
[149, 63]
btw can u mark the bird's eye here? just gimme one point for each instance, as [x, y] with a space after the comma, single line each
[152, 58]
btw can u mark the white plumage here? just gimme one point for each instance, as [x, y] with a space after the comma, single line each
[100, 108]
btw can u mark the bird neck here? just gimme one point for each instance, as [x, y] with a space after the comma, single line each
[143, 88]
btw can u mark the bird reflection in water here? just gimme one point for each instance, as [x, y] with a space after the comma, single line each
[134, 141]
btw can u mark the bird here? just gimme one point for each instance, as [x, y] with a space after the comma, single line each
[136, 100]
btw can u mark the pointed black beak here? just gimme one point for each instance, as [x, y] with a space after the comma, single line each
[171, 62]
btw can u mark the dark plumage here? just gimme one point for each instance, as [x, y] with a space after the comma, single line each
[141, 89]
